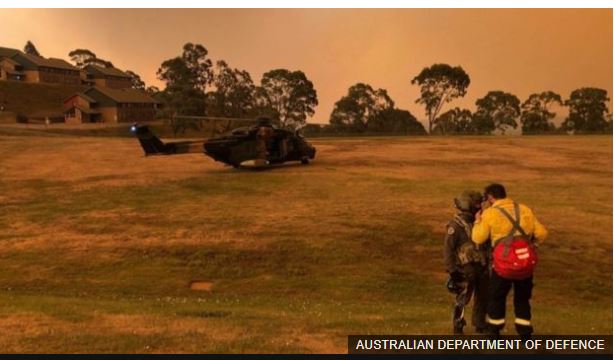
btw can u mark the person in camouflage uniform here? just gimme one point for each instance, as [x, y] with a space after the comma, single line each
[263, 137]
[466, 263]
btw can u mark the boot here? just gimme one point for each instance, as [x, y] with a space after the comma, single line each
[524, 331]
[458, 326]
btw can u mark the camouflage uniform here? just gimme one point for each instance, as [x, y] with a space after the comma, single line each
[467, 265]
[263, 137]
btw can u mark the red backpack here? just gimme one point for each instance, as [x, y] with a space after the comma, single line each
[514, 257]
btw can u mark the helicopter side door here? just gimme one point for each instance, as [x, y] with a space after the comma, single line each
[279, 146]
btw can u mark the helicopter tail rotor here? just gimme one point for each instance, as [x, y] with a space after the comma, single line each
[151, 144]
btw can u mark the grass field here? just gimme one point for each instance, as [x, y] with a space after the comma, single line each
[99, 245]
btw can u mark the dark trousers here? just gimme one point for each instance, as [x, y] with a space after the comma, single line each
[498, 290]
[476, 287]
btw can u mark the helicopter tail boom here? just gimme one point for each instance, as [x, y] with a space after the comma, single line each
[152, 145]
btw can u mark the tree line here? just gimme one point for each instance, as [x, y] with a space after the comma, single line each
[501, 111]
[196, 85]
[364, 109]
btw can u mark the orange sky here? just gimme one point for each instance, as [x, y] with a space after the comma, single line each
[520, 51]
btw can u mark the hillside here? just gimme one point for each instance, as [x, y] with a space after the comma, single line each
[34, 99]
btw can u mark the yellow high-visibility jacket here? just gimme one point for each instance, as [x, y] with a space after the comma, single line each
[494, 225]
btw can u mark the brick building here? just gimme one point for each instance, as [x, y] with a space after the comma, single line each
[111, 77]
[11, 70]
[18, 66]
[108, 105]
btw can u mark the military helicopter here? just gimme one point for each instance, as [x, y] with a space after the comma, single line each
[240, 147]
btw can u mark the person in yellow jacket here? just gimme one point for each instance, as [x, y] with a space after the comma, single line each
[494, 225]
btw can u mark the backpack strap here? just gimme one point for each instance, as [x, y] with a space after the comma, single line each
[515, 221]
[462, 223]
[515, 226]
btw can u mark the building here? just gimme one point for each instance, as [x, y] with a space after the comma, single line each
[11, 70]
[108, 96]
[38, 69]
[7, 52]
[18, 66]
[111, 77]
[107, 105]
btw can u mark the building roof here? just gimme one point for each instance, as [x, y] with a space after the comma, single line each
[8, 52]
[105, 71]
[89, 99]
[123, 96]
[10, 61]
[33, 62]
[86, 97]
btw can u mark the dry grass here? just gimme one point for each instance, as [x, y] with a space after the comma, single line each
[99, 244]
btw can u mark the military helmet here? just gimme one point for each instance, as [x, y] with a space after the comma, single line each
[468, 200]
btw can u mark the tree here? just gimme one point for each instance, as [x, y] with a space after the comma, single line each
[137, 83]
[180, 125]
[152, 90]
[234, 92]
[83, 57]
[262, 106]
[367, 109]
[536, 114]
[587, 111]
[359, 110]
[187, 77]
[439, 84]
[193, 68]
[455, 121]
[290, 96]
[497, 110]
[30, 49]
[397, 121]
[98, 62]
[182, 100]
[80, 57]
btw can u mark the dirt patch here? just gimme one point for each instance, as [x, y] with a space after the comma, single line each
[199, 285]
[320, 343]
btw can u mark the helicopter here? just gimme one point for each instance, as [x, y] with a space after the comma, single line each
[238, 147]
